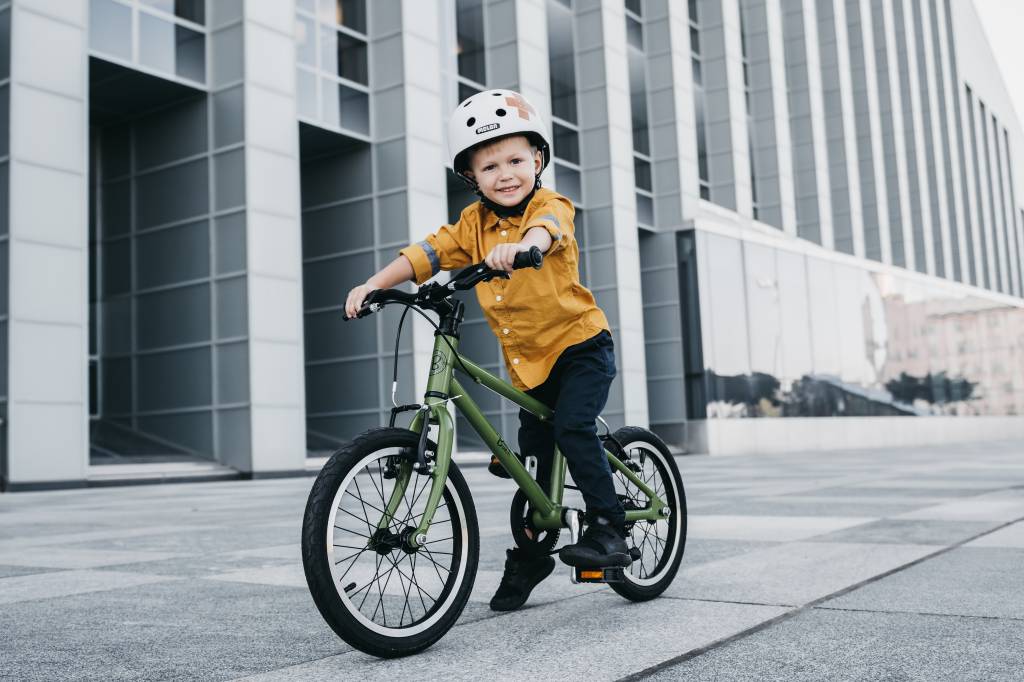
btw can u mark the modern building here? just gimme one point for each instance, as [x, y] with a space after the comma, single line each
[800, 216]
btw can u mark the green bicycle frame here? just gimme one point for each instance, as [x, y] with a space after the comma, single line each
[442, 387]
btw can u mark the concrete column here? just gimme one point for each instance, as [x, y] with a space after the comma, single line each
[817, 100]
[899, 136]
[48, 327]
[875, 124]
[849, 127]
[672, 116]
[606, 146]
[273, 240]
[938, 144]
[780, 107]
[953, 94]
[918, 133]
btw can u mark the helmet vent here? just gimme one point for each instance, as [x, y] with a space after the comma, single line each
[499, 112]
[470, 121]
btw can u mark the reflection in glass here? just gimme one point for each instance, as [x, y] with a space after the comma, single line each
[190, 56]
[561, 54]
[567, 180]
[346, 107]
[307, 94]
[638, 103]
[634, 33]
[829, 339]
[470, 31]
[156, 43]
[642, 174]
[172, 48]
[644, 209]
[348, 13]
[192, 10]
[305, 40]
[110, 28]
[567, 144]
[343, 55]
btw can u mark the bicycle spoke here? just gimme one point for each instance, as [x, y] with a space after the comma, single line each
[366, 515]
[349, 530]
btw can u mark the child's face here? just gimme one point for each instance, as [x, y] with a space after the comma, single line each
[505, 171]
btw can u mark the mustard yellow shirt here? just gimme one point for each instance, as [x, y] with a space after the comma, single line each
[536, 314]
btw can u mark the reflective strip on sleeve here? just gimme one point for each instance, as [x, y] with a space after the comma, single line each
[435, 262]
[553, 219]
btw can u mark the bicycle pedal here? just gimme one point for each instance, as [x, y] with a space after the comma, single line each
[600, 575]
[634, 553]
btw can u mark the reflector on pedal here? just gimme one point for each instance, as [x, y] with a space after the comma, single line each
[599, 575]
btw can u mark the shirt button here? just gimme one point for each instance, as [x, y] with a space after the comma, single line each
[505, 330]
[515, 361]
[504, 232]
[497, 298]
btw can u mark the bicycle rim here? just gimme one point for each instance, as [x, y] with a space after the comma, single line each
[394, 593]
[658, 541]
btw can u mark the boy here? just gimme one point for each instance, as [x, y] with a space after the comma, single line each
[555, 339]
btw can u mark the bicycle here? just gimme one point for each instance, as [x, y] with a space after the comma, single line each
[391, 570]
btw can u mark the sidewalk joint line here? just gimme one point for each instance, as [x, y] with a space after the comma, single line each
[743, 634]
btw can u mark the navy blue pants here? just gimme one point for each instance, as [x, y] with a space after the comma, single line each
[577, 390]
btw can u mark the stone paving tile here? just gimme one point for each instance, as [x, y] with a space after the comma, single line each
[976, 581]
[980, 508]
[11, 571]
[793, 573]
[207, 631]
[1011, 536]
[703, 551]
[791, 507]
[531, 644]
[913, 532]
[777, 528]
[63, 583]
[66, 556]
[850, 646]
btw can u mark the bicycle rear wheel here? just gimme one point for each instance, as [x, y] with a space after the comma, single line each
[375, 592]
[661, 542]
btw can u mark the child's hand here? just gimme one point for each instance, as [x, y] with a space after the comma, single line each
[356, 298]
[502, 255]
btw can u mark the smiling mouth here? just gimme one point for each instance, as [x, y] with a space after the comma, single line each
[508, 190]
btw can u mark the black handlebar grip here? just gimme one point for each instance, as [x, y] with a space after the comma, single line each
[528, 259]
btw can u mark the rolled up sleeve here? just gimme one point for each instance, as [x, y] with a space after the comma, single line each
[555, 216]
[447, 249]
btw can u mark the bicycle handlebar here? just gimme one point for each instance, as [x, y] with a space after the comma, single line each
[463, 280]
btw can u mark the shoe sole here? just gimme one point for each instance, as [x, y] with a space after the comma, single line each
[617, 560]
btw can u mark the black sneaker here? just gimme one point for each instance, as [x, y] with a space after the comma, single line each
[497, 469]
[522, 574]
[602, 546]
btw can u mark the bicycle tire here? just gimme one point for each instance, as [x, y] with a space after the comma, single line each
[637, 586]
[319, 526]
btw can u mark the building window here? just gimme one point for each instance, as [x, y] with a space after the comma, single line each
[165, 36]
[638, 106]
[565, 118]
[332, 60]
[700, 104]
[470, 48]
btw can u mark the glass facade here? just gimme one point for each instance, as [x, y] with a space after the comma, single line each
[788, 334]
[333, 71]
[166, 36]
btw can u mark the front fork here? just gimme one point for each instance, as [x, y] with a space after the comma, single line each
[437, 470]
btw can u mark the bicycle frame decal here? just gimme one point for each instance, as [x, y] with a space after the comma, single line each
[547, 506]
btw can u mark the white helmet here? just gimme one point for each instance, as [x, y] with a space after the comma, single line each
[489, 115]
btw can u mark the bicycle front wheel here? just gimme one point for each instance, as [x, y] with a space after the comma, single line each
[375, 592]
[660, 543]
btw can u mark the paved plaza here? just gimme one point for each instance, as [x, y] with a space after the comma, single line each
[876, 565]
